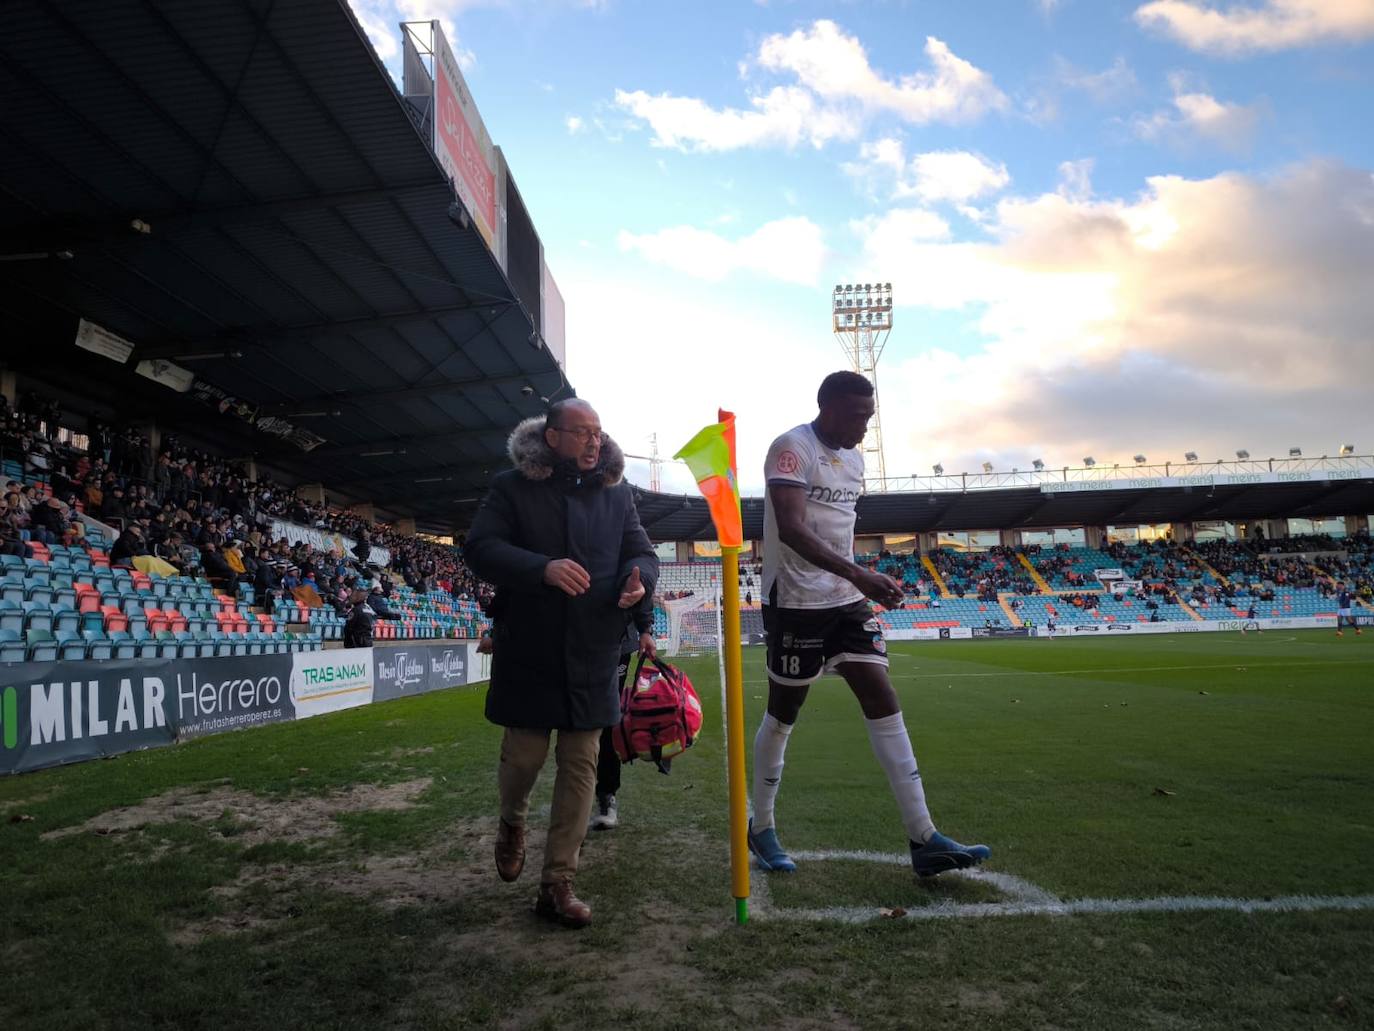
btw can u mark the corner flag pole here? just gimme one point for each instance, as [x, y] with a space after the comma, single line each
[711, 457]
[734, 725]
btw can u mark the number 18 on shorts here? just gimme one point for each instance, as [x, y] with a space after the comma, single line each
[803, 644]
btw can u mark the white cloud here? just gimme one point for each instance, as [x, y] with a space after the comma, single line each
[1198, 115]
[885, 233]
[1199, 315]
[945, 175]
[1075, 179]
[1108, 86]
[835, 66]
[955, 176]
[739, 354]
[1175, 320]
[575, 125]
[380, 31]
[834, 91]
[791, 250]
[781, 117]
[1269, 25]
[1112, 82]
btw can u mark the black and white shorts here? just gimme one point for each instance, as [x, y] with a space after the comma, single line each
[804, 644]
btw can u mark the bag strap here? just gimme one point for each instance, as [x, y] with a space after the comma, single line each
[626, 693]
[638, 667]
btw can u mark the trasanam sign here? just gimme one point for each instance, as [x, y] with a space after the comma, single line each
[461, 142]
[328, 681]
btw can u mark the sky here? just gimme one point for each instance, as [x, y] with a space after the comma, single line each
[1111, 228]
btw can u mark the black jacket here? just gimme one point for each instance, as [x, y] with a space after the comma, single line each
[555, 657]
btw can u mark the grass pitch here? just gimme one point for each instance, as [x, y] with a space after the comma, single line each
[336, 873]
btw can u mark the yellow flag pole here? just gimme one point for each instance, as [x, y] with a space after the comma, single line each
[734, 723]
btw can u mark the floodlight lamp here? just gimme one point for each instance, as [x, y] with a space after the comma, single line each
[1089, 461]
[459, 215]
[1242, 454]
[938, 469]
[1140, 459]
[1347, 449]
[1190, 456]
[1038, 464]
[987, 467]
[1295, 452]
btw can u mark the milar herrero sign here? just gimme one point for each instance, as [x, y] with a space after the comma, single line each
[1207, 480]
[53, 713]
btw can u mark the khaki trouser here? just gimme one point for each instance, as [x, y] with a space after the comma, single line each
[522, 757]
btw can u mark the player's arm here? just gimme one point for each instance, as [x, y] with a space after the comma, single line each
[789, 509]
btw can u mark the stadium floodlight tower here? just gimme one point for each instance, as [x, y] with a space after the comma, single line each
[861, 315]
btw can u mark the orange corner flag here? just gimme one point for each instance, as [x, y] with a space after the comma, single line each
[711, 457]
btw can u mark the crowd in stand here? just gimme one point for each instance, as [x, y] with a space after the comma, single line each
[188, 512]
[983, 573]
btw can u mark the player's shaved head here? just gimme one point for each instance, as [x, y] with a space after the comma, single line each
[842, 384]
[847, 403]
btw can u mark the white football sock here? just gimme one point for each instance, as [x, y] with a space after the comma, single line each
[769, 745]
[892, 746]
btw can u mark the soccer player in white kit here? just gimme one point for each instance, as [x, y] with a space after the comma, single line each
[817, 619]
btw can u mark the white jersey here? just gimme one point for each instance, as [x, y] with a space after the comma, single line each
[833, 480]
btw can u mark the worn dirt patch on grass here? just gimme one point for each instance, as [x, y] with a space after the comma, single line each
[252, 819]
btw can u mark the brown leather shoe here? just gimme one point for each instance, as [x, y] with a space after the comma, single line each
[510, 850]
[558, 903]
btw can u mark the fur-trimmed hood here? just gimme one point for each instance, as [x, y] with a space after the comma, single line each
[535, 460]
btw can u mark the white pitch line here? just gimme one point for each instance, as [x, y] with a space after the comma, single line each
[1239, 664]
[1028, 899]
[1114, 669]
[1082, 907]
[1018, 888]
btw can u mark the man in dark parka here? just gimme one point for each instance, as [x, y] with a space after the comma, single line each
[560, 539]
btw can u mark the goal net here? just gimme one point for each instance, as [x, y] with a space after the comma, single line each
[693, 624]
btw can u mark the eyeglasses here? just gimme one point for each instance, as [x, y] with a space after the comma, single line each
[584, 434]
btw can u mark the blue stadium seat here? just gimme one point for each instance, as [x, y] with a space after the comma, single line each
[11, 646]
[167, 645]
[37, 616]
[123, 646]
[12, 589]
[65, 618]
[12, 616]
[38, 592]
[70, 646]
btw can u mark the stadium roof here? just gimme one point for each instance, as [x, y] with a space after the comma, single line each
[675, 517]
[238, 187]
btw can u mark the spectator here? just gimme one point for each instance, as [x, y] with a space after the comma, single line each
[129, 545]
[358, 628]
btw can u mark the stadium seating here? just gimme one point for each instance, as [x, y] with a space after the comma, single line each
[1216, 581]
